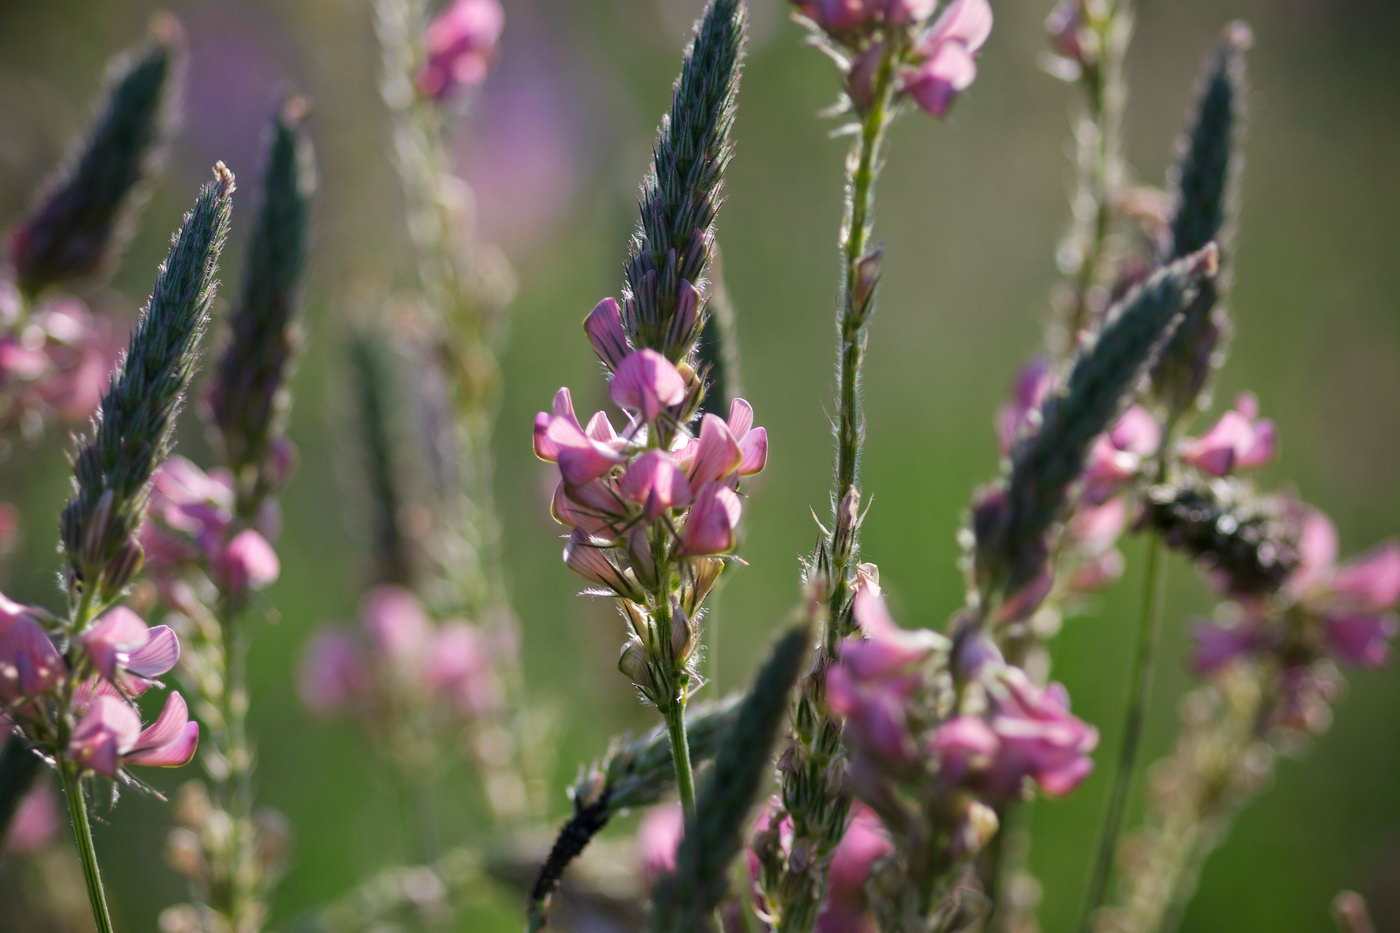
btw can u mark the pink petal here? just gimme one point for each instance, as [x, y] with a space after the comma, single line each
[1361, 640]
[158, 655]
[754, 448]
[604, 328]
[648, 383]
[247, 561]
[654, 479]
[968, 22]
[948, 71]
[717, 454]
[740, 419]
[109, 726]
[168, 727]
[710, 526]
[1373, 579]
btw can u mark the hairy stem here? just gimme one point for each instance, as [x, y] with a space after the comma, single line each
[680, 755]
[87, 852]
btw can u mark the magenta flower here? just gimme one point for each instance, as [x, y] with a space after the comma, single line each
[1019, 415]
[246, 562]
[604, 328]
[127, 653]
[647, 383]
[460, 669]
[398, 628]
[461, 45]
[1240, 440]
[1360, 640]
[712, 524]
[1218, 646]
[656, 482]
[109, 737]
[1038, 738]
[949, 52]
[836, 16]
[582, 456]
[334, 673]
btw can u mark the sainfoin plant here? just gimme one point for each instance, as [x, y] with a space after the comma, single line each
[882, 765]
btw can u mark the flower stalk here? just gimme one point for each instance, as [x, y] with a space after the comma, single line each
[76, 799]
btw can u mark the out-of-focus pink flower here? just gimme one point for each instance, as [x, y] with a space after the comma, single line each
[35, 822]
[461, 45]
[398, 628]
[1065, 25]
[1015, 417]
[109, 736]
[55, 362]
[712, 524]
[658, 837]
[127, 653]
[1240, 440]
[459, 669]
[836, 16]
[604, 328]
[334, 673]
[246, 562]
[1094, 531]
[949, 51]
[647, 383]
[30, 665]
[1361, 640]
[1119, 454]
[1218, 646]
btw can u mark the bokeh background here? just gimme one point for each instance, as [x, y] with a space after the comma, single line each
[971, 211]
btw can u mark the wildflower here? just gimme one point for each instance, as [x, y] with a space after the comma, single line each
[1037, 738]
[333, 674]
[1119, 454]
[461, 45]
[1217, 646]
[647, 383]
[30, 665]
[1240, 440]
[246, 562]
[658, 837]
[127, 653]
[712, 524]
[109, 736]
[949, 51]
[1019, 415]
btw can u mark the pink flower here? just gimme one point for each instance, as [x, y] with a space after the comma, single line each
[1361, 640]
[1218, 646]
[949, 52]
[604, 328]
[1239, 440]
[109, 736]
[127, 653]
[398, 628]
[753, 442]
[715, 455]
[334, 673]
[30, 665]
[712, 524]
[1118, 455]
[246, 562]
[647, 383]
[582, 456]
[658, 837]
[838, 15]
[1039, 738]
[35, 823]
[657, 482]
[459, 669]
[963, 745]
[461, 44]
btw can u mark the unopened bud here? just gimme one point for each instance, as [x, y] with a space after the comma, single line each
[636, 666]
[683, 634]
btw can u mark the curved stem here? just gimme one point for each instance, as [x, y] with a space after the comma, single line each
[87, 852]
[1149, 632]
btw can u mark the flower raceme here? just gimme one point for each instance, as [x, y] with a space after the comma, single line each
[615, 489]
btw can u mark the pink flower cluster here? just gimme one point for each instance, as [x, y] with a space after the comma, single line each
[633, 501]
[461, 46]
[1012, 733]
[53, 362]
[1344, 611]
[943, 59]
[109, 665]
[190, 523]
[399, 657]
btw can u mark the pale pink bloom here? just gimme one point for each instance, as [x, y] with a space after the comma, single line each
[35, 822]
[1372, 581]
[949, 51]
[1019, 415]
[246, 562]
[656, 482]
[334, 673]
[559, 438]
[658, 837]
[647, 383]
[715, 455]
[593, 507]
[604, 328]
[963, 745]
[1093, 530]
[909, 11]
[109, 736]
[753, 442]
[30, 665]
[1040, 738]
[1240, 440]
[1360, 640]
[712, 523]
[127, 653]
[461, 44]
[189, 515]
[459, 669]
[887, 649]
[399, 629]
[1118, 455]
[82, 352]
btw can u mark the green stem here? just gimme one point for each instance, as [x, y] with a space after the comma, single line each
[87, 852]
[1140, 690]
[674, 715]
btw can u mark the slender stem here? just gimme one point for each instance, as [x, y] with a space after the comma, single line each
[1140, 689]
[87, 852]
[680, 754]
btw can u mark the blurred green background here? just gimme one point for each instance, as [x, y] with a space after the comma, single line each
[971, 211]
